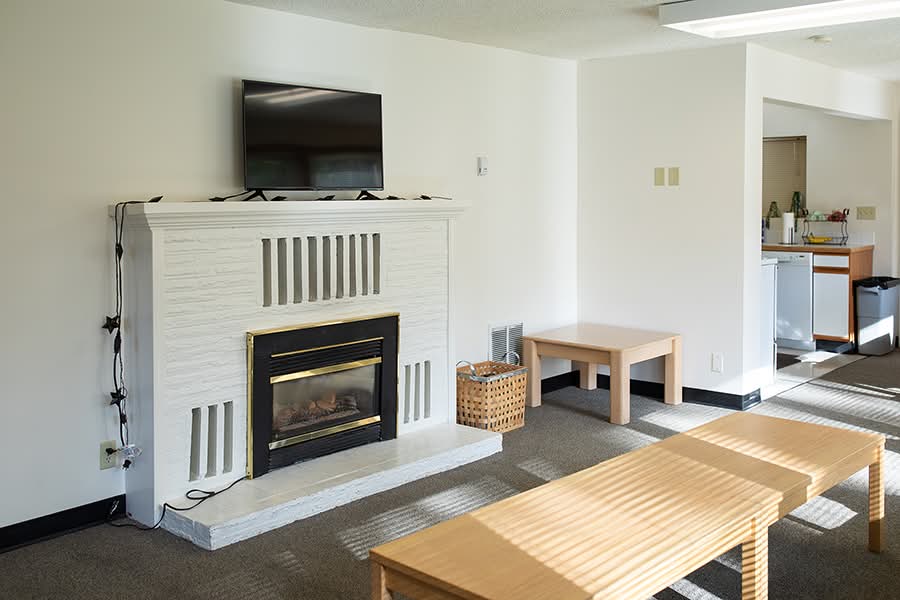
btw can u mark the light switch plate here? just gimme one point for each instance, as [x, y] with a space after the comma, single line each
[659, 176]
[865, 213]
[674, 175]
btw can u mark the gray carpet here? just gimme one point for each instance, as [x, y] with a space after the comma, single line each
[818, 552]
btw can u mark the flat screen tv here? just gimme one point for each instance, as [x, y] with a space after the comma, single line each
[305, 138]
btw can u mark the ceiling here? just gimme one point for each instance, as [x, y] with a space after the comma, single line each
[594, 28]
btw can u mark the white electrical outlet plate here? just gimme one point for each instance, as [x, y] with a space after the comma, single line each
[865, 213]
[718, 363]
[482, 166]
[107, 460]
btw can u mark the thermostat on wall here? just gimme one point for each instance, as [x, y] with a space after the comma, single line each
[482, 166]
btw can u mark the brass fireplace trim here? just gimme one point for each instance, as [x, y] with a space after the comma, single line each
[323, 324]
[250, 405]
[250, 343]
[325, 370]
[296, 352]
[297, 439]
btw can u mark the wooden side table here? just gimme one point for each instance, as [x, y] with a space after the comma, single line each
[589, 344]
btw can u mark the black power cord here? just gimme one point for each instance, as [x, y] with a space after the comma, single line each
[200, 496]
[113, 325]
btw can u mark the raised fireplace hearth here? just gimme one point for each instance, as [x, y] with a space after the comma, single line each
[318, 389]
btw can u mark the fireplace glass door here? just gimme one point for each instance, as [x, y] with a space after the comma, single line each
[312, 401]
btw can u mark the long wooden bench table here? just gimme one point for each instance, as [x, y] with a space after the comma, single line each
[590, 344]
[632, 526]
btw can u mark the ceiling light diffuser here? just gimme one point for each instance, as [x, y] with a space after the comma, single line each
[718, 19]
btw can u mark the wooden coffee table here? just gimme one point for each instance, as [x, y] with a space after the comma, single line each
[589, 344]
[632, 526]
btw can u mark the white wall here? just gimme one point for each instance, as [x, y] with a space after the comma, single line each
[666, 258]
[107, 100]
[848, 165]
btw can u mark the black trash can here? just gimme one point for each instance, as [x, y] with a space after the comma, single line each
[877, 300]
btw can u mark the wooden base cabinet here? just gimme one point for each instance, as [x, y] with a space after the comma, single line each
[834, 272]
[831, 306]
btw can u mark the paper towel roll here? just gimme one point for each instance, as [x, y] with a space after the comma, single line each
[787, 228]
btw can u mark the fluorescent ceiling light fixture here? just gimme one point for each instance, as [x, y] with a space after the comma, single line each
[734, 18]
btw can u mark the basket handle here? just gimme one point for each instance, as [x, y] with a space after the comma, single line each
[471, 366]
[514, 353]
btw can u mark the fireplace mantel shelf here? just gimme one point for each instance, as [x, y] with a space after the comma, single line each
[193, 215]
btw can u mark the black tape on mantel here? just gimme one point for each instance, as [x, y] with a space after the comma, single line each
[50, 526]
[652, 389]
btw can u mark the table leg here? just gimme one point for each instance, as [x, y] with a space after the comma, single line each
[673, 373]
[619, 389]
[876, 503]
[533, 363]
[755, 565]
[587, 375]
[379, 583]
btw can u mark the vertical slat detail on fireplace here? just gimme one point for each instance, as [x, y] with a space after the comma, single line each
[298, 270]
[364, 259]
[340, 261]
[282, 271]
[194, 473]
[417, 413]
[312, 260]
[326, 267]
[416, 404]
[407, 384]
[427, 391]
[267, 272]
[354, 278]
[376, 263]
[228, 438]
[212, 437]
[212, 440]
[320, 268]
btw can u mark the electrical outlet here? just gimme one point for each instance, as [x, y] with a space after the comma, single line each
[108, 460]
[718, 363]
[865, 213]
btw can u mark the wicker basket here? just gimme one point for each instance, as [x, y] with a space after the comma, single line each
[491, 395]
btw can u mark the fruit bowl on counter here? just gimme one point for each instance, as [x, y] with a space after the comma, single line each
[814, 239]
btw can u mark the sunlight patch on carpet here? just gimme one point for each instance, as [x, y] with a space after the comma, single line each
[431, 510]
[541, 468]
[684, 416]
[823, 512]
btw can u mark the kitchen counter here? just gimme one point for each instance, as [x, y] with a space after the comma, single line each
[819, 248]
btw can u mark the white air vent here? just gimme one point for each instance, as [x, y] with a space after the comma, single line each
[506, 339]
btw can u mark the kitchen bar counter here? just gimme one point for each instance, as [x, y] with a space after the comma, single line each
[819, 248]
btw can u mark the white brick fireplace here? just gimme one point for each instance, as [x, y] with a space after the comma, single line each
[200, 276]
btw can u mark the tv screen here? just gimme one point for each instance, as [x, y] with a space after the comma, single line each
[304, 138]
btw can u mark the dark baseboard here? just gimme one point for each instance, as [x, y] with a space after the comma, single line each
[50, 526]
[652, 389]
[558, 382]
